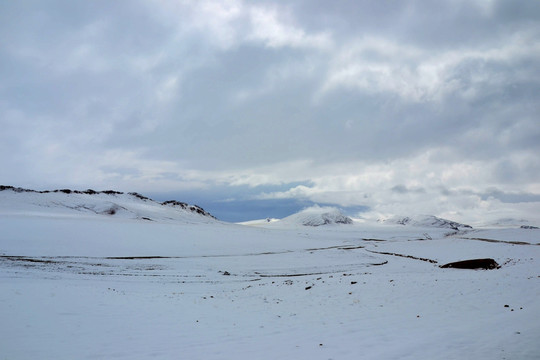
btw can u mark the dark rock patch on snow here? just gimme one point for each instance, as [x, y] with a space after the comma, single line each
[139, 196]
[502, 241]
[65, 191]
[193, 208]
[402, 255]
[473, 264]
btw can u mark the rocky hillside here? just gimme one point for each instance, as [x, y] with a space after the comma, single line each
[69, 202]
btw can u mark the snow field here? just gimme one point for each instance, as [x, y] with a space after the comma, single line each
[80, 285]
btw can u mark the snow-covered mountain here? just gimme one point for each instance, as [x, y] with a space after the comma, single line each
[312, 216]
[427, 221]
[69, 203]
[317, 216]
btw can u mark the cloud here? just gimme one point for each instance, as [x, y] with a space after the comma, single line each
[462, 190]
[418, 74]
[267, 27]
[516, 197]
[360, 104]
[402, 189]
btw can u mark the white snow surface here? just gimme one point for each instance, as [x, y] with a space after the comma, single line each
[76, 284]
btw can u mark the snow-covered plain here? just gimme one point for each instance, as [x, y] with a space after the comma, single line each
[157, 281]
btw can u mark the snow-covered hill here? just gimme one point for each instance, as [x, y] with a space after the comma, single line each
[313, 216]
[70, 203]
[428, 221]
[317, 216]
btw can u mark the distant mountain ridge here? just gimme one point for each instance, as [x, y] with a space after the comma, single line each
[427, 221]
[106, 202]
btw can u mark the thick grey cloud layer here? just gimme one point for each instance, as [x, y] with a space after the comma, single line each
[374, 103]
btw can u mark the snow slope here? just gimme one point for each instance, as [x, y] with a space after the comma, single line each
[90, 203]
[76, 284]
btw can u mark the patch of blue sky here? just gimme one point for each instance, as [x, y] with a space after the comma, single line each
[239, 203]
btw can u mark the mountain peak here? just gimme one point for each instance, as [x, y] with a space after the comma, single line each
[317, 216]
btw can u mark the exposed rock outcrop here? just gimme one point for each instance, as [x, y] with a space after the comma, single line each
[474, 264]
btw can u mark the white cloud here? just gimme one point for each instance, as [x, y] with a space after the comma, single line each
[379, 65]
[229, 23]
[274, 32]
[416, 185]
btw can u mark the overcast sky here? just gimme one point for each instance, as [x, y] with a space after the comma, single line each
[394, 107]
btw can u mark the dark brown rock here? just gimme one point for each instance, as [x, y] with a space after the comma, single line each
[474, 264]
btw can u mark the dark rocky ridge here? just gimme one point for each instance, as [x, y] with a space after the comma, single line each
[193, 208]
